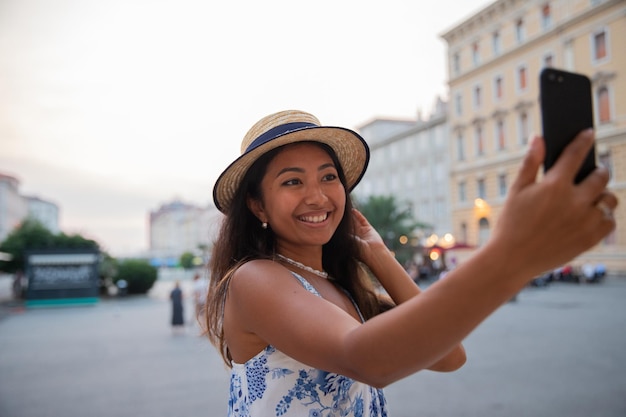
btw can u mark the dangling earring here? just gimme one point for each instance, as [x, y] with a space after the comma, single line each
[264, 225]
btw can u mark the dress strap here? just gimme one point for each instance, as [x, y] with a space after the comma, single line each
[306, 284]
[310, 288]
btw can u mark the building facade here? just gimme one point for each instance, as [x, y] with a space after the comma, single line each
[494, 61]
[15, 207]
[177, 227]
[410, 160]
[46, 212]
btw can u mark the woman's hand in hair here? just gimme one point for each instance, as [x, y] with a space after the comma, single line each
[368, 238]
[382, 262]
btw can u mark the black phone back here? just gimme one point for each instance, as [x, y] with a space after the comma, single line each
[566, 109]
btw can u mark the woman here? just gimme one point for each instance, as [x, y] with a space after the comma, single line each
[291, 307]
[176, 297]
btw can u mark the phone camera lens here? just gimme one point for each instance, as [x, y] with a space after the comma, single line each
[560, 79]
[551, 77]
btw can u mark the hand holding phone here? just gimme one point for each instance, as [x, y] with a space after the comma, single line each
[566, 109]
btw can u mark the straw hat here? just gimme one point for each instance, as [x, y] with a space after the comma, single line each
[287, 127]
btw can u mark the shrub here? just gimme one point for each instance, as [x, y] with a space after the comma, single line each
[138, 274]
[186, 260]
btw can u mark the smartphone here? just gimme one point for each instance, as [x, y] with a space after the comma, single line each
[566, 104]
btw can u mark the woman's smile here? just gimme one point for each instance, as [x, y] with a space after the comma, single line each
[314, 218]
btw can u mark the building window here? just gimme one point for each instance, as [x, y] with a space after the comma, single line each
[464, 232]
[480, 186]
[409, 179]
[496, 43]
[477, 97]
[475, 54]
[523, 128]
[462, 192]
[599, 46]
[440, 173]
[500, 135]
[502, 185]
[458, 104]
[498, 91]
[546, 17]
[519, 30]
[604, 105]
[483, 231]
[424, 175]
[548, 60]
[395, 182]
[480, 140]
[441, 208]
[460, 147]
[522, 78]
[456, 63]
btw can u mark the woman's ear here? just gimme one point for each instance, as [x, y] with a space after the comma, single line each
[256, 207]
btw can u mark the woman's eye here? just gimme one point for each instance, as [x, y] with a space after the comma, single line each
[293, 181]
[330, 177]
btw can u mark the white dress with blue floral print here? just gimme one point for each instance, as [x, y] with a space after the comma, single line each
[274, 384]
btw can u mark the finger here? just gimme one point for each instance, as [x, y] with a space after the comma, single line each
[607, 201]
[602, 212]
[359, 217]
[530, 165]
[595, 183]
[607, 211]
[604, 209]
[571, 159]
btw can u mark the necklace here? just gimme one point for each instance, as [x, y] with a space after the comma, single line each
[321, 274]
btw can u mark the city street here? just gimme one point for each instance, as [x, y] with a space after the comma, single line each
[556, 351]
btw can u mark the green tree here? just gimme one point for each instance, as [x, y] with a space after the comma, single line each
[186, 260]
[32, 235]
[74, 242]
[394, 222]
[139, 275]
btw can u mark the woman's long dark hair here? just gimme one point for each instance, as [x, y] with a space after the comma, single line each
[242, 239]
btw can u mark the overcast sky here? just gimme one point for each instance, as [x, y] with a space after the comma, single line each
[111, 108]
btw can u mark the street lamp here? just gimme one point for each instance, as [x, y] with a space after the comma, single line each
[481, 208]
[447, 241]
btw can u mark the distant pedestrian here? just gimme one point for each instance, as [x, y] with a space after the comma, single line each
[588, 271]
[200, 288]
[600, 271]
[176, 296]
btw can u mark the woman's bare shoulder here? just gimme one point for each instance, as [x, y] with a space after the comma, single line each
[261, 275]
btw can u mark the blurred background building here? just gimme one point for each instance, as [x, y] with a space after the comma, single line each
[15, 207]
[410, 160]
[46, 212]
[494, 61]
[177, 227]
[455, 167]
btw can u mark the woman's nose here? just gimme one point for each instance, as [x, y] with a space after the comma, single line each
[315, 195]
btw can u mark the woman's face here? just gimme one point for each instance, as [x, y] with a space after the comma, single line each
[303, 199]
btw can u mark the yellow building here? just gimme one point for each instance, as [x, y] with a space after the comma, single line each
[494, 61]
